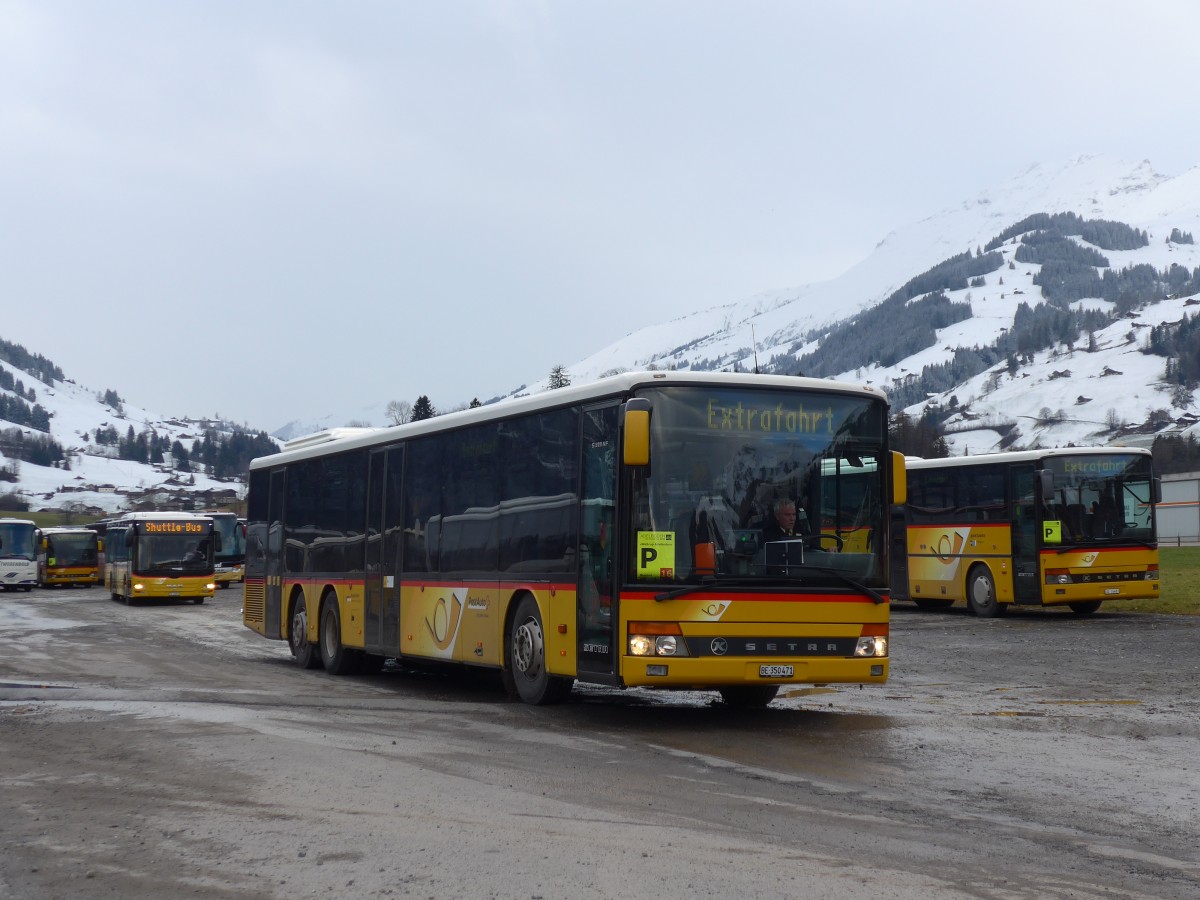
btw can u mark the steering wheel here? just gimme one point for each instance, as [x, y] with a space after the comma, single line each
[817, 539]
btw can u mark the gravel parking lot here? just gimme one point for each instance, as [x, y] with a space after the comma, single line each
[164, 750]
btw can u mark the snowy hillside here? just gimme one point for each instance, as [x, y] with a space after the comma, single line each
[1098, 391]
[90, 478]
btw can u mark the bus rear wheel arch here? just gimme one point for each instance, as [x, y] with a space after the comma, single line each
[525, 673]
[981, 593]
[306, 654]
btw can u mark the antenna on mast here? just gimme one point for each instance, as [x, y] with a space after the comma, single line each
[754, 346]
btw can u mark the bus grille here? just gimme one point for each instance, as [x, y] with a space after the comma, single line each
[254, 602]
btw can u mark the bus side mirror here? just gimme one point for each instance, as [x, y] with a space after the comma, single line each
[100, 545]
[129, 538]
[636, 449]
[899, 479]
[216, 542]
[1156, 490]
[1046, 484]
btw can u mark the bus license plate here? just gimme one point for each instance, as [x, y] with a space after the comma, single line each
[774, 671]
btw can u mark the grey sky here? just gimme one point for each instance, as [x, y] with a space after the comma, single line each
[279, 210]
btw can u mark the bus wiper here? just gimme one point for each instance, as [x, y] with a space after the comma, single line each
[705, 583]
[875, 596]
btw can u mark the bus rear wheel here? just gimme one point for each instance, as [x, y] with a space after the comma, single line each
[1084, 607]
[306, 654]
[338, 660]
[981, 594]
[526, 670]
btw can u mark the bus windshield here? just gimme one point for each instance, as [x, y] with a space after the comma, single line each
[1100, 499]
[726, 461]
[233, 540]
[75, 549]
[174, 553]
[17, 540]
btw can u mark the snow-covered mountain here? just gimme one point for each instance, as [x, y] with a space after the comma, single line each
[1096, 390]
[90, 478]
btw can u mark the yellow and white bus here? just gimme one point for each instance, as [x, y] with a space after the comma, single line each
[609, 533]
[160, 556]
[69, 556]
[18, 554]
[1070, 526]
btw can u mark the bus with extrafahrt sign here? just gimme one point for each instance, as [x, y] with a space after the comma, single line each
[1069, 527]
[610, 533]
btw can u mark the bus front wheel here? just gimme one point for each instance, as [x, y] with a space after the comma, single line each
[526, 670]
[981, 594]
[749, 696]
[1084, 607]
[306, 654]
[336, 658]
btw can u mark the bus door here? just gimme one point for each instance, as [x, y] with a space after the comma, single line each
[1025, 519]
[596, 601]
[384, 540]
[274, 569]
[898, 564]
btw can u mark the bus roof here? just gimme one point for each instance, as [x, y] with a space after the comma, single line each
[67, 529]
[7, 521]
[1019, 456]
[338, 439]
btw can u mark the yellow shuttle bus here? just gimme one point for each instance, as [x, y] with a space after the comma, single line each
[1071, 526]
[160, 556]
[69, 556]
[611, 533]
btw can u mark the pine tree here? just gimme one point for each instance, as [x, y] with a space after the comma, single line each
[558, 378]
[422, 409]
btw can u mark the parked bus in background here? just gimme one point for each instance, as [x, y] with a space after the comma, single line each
[610, 533]
[152, 556]
[230, 560]
[18, 554]
[1072, 526]
[69, 556]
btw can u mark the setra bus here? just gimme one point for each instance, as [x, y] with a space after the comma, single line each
[1069, 526]
[18, 554]
[610, 533]
[230, 560]
[69, 556]
[160, 556]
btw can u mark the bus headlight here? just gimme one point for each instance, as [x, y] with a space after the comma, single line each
[666, 646]
[656, 639]
[640, 645]
[871, 646]
[138, 586]
[211, 586]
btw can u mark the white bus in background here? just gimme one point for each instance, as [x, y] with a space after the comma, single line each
[18, 554]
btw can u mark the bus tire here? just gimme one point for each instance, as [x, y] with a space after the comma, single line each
[197, 600]
[337, 659]
[981, 593]
[306, 655]
[1084, 607]
[526, 658]
[749, 696]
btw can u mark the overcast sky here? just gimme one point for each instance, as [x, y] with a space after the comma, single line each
[278, 210]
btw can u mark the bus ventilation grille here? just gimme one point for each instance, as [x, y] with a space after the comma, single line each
[254, 603]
